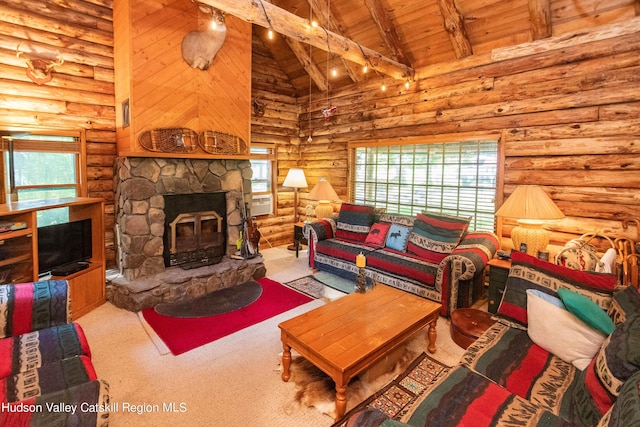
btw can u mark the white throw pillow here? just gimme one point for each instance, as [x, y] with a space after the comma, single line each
[560, 332]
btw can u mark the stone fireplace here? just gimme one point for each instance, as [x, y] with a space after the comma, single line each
[178, 211]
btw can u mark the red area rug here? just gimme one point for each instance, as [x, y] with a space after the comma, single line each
[184, 334]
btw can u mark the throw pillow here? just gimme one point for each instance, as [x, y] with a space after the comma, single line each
[354, 222]
[587, 311]
[397, 237]
[625, 304]
[378, 234]
[436, 233]
[560, 332]
[528, 272]
[600, 384]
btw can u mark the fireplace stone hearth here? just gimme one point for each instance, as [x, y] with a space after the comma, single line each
[141, 185]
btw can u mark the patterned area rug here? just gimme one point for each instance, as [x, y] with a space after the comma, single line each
[398, 395]
[309, 286]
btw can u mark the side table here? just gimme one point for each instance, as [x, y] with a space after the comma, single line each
[498, 274]
[467, 324]
[298, 236]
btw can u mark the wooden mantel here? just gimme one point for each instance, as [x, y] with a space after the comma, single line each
[163, 91]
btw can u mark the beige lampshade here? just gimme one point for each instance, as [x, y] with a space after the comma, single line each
[529, 202]
[530, 206]
[324, 193]
[295, 178]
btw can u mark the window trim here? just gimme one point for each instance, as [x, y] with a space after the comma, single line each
[78, 148]
[271, 156]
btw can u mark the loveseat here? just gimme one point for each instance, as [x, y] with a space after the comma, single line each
[430, 255]
[46, 374]
[543, 363]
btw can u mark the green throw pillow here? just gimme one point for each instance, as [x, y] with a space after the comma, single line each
[587, 311]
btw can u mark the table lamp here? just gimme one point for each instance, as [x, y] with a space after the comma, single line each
[324, 193]
[530, 206]
[295, 178]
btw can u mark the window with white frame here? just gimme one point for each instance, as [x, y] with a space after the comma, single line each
[42, 165]
[455, 178]
[262, 158]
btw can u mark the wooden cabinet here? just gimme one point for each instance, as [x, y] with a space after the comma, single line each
[498, 274]
[19, 248]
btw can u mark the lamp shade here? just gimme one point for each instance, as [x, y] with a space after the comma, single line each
[529, 202]
[295, 178]
[530, 206]
[323, 191]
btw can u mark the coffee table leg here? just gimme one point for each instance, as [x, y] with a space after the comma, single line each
[432, 335]
[341, 400]
[286, 362]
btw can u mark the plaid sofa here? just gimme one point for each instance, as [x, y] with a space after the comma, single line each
[442, 264]
[505, 379]
[46, 374]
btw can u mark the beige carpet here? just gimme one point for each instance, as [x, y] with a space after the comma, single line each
[231, 382]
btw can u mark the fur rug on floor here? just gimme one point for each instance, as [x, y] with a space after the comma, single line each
[314, 388]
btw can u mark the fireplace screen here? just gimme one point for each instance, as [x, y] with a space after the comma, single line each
[196, 239]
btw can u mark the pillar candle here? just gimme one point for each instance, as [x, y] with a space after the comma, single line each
[361, 260]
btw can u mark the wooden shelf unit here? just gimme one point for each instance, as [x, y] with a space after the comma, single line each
[19, 249]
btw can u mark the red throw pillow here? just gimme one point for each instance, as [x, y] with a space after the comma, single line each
[378, 234]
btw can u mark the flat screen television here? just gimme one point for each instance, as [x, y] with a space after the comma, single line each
[64, 245]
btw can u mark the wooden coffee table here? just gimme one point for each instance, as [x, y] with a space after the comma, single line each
[346, 336]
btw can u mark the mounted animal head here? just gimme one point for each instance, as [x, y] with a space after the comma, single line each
[39, 69]
[200, 47]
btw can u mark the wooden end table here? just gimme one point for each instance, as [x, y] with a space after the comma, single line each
[346, 336]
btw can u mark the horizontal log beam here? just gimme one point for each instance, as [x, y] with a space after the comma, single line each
[300, 29]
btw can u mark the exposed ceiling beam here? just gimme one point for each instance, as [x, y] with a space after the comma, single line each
[301, 52]
[300, 29]
[387, 30]
[321, 10]
[540, 17]
[454, 26]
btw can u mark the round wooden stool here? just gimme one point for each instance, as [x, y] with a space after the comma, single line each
[467, 324]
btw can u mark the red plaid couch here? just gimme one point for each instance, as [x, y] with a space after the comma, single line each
[46, 374]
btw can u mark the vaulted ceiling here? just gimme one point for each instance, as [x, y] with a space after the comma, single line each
[397, 37]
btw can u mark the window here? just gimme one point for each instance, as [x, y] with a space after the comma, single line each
[262, 163]
[455, 178]
[42, 166]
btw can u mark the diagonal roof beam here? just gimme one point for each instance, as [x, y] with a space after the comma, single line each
[321, 9]
[302, 53]
[454, 25]
[299, 29]
[540, 16]
[387, 30]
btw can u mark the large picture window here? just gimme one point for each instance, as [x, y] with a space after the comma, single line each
[455, 178]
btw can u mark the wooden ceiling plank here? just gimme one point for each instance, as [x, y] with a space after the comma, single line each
[540, 17]
[387, 31]
[454, 25]
[299, 29]
[324, 17]
[302, 53]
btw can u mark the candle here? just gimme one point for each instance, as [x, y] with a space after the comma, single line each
[361, 261]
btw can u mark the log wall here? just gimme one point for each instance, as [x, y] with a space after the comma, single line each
[568, 120]
[81, 91]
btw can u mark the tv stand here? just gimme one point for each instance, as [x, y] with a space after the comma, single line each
[19, 249]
